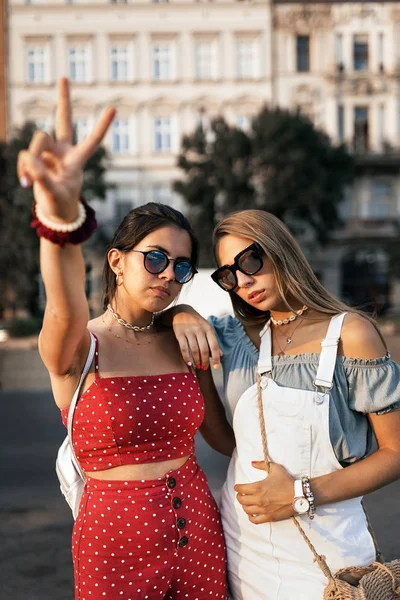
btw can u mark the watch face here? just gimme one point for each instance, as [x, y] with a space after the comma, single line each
[301, 505]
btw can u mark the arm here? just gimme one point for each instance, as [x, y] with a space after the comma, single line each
[195, 335]
[55, 170]
[215, 428]
[271, 499]
[66, 313]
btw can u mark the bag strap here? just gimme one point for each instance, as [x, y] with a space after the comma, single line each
[75, 399]
[318, 558]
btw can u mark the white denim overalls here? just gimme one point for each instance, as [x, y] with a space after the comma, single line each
[271, 561]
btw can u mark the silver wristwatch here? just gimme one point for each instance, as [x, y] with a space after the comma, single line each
[301, 505]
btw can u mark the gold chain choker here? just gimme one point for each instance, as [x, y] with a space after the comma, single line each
[124, 323]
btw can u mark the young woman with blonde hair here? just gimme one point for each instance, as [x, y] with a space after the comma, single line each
[327, 384]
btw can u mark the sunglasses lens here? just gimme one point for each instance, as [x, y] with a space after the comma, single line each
[155, 262]
[227, 280]
[183, 271]
[250, 262]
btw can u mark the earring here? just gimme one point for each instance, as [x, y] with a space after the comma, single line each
[118, 279]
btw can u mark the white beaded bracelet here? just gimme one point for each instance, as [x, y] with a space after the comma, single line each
[62, 227]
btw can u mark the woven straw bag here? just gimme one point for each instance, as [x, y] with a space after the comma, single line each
[377, 581]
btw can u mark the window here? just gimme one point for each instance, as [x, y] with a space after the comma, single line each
[161, 193]
[340, 123]
[243, 122]
[360, 52]
[162, 62]
[162, 135]
[37, 64]
[381, 199]
[121, 62]
[81, 129]
[118, 1]
[381, 126]
[339, 51]
[126, 198]
[79, 59]
[361, 129]
[205, 60]
[381, 50]
[245, 59]
[44, 124]
[303, 53]
[398, 116]
[120, 136]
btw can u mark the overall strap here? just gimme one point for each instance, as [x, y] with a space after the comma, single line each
[265, 360]
[76, 395]
[328, 354]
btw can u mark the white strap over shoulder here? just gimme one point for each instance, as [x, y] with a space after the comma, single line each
[264, 359]
[327, 360]
[76, 395]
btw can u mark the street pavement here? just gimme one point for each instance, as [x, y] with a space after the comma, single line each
[36, 523]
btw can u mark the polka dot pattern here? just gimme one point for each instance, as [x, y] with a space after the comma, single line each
[159, 539]
[134, 420]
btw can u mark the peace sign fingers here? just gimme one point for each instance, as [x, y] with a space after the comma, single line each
[82, 151]
[64, 127]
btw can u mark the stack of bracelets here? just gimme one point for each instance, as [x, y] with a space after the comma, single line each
[76, 232]
[309, 495]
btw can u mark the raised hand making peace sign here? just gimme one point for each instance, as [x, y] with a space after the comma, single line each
[55, 166]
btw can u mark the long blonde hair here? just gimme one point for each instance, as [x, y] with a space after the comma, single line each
[294, 277]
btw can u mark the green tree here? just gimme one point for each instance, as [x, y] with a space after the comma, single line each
[19, 244]
[283, 164]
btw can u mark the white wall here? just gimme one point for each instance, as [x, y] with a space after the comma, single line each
[205, 296]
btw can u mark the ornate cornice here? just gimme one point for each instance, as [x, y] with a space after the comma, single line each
[302, 17]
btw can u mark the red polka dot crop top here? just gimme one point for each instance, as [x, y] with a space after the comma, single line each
[134, 420]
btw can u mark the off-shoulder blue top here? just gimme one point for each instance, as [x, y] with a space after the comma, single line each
[360, 387]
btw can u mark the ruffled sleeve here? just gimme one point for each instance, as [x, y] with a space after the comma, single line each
[374, 385]
[230, 333]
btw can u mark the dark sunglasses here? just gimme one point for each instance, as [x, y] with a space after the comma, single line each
[248, 261]
[156, 261]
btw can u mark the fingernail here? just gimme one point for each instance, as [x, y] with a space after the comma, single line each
[198, 366]
[189, 364]
[216, 366]
[24, 181]
[253, 462]
[205, 368]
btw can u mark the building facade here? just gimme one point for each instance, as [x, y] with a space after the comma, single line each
[164, 66]
[168, 65]
[3, 70]
[339, 64]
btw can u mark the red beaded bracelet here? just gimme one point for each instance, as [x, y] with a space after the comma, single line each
[66, 237]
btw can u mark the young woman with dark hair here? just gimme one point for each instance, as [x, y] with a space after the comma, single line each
[326, 384]
[148, 526]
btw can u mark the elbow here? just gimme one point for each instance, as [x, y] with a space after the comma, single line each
[223, 440]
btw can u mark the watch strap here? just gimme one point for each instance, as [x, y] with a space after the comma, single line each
[298, 488]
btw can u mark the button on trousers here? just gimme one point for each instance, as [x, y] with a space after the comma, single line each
[158, 539]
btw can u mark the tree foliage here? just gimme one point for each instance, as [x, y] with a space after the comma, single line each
[283, 164]
[19, 245]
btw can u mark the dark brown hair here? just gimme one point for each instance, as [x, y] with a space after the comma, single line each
[138, 224]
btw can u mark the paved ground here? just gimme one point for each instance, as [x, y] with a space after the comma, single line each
[35, 523]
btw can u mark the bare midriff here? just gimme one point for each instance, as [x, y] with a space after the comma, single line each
[144, 471]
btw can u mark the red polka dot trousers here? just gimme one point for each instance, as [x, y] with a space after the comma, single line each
[158, 539]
